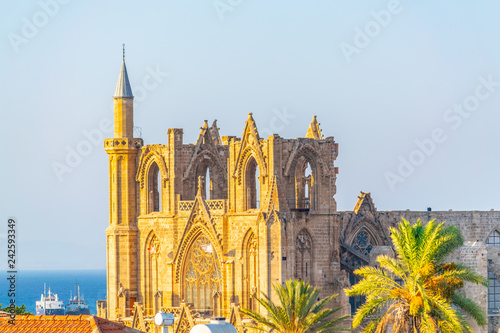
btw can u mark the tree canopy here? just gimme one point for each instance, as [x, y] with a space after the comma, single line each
[418, 290]
[298, 311]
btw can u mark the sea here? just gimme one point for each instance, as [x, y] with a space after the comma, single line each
[29, 286]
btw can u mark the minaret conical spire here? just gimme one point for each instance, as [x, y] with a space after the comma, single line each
[123, 102]
[123, 88]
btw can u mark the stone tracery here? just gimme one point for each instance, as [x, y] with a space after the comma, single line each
[363, 242]
[202, 276]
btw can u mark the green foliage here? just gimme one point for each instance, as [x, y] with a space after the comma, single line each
[297, 311]
[423, 301]
[18, 310]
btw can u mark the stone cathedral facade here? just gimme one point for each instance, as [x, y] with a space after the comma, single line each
[212, 223]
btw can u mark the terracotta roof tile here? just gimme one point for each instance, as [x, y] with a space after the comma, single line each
[66, 324]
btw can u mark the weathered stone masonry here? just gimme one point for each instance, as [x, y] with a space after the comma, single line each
[215, 222]
[365, 234]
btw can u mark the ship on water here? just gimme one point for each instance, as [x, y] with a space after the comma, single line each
[49, 304]
[77, 305]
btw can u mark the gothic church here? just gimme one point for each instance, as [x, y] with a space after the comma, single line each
[212, 223]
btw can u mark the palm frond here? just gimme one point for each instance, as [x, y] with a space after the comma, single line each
[297, 310]
[471, 308]
[423, 301]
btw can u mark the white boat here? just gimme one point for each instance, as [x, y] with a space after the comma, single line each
[49, 304]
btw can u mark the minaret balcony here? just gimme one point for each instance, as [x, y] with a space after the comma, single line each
[123, 143]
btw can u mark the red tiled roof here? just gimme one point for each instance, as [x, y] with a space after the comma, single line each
[66, 324]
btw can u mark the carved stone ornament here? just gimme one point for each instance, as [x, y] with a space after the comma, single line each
[303, 241]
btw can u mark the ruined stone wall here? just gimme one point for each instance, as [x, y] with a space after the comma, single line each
[272, 226]
[474, 255]
[475, 226]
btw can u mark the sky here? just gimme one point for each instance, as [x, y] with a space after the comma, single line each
[409, 89]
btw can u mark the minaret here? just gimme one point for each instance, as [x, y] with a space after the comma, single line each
[124, 104]
[122, 230]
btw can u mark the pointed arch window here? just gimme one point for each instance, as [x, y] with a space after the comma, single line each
[494, 239]
[363, 243]
[493, 283]
[203, 278]
[204, 175]
[208, 185]
[252, 184]
[154, 188]
[303, 244]
[304, 185]
[213, 181]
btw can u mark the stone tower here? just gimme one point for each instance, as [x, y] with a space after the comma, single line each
[122, 231]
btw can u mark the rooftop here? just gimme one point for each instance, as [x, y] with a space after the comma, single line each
[67, 324]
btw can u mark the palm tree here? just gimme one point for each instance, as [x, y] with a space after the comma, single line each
[417, 291]
[298, 311]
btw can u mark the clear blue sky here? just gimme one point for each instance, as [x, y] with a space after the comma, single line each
[376, 86]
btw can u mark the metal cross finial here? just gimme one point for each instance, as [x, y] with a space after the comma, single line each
[123, 51]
